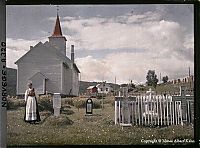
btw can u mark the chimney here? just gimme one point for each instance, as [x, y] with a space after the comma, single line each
[72, 53]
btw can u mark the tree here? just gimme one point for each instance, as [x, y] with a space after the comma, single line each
[165, 79]
[151, 78]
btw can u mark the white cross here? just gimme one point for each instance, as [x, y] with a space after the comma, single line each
[183, 98]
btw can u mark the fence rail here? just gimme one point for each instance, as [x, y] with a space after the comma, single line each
[152, 110]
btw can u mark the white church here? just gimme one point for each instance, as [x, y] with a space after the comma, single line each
[48, 67]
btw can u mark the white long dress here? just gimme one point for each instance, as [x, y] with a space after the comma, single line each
[31, 111]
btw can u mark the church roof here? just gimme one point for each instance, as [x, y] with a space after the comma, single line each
[57, 30]
[52, 49]
[57, 33]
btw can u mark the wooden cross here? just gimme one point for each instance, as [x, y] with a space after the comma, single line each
[184, 101]
[150, 92]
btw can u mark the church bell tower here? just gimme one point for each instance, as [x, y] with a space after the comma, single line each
[57, 39]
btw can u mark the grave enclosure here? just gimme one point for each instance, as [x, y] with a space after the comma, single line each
[154, 110]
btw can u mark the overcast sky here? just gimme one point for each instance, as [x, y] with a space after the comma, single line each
[110, 40]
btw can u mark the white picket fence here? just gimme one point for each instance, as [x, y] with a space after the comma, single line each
[152, 110]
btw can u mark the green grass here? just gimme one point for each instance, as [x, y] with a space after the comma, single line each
[73, 127]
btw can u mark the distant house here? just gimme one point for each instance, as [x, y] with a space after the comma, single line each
[48, 67]
[92, 90]
[104, 88]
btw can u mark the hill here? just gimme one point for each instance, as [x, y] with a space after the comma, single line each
[11, 81]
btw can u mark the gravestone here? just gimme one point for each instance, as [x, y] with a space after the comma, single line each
[150, 92]
[184, 102]
[89, 107]
[56, 104]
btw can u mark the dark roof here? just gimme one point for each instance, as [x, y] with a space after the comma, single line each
[57, 30]
[74, 65]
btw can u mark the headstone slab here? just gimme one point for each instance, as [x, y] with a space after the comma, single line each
[56, 104]
[89, 106]
[56, 100]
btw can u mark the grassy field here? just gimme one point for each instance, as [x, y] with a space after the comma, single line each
[73, 127]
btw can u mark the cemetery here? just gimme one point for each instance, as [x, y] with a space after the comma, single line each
[155, 109]
[123, 119]
[86, 79]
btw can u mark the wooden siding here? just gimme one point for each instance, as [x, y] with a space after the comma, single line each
[38, 60]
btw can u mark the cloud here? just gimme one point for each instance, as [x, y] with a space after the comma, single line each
[126, 46]
[146, 31]
[165, 46]
[130, 66]
[16, 48]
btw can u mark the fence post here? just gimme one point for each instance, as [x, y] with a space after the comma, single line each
[122, 112]
[139, 110]
[119, 111]
[167, 111]
[181, 114]
[170, 111]
[132, 114]
[173, 111]
[163, 98]
[157, 108]
[154, 110]
[188, 110]
[116, 112]
[148, 109]
[141, 98]
[135, 111]
[129, 115]
[151, 110]
[160, 109]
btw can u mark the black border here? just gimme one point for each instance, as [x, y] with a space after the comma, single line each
[56, 2]
[196, 5]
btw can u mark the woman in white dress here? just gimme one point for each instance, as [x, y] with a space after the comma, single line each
[31, 110]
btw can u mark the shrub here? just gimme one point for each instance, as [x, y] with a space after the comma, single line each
[45, 104]
[100, 96]
[68, 101]
[22, 103]
[108, 101]
[66, 111]
[10, 103]
[96, 104]
[15, 103]
[78, 103]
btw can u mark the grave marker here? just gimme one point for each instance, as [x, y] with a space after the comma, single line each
[184, 99]
[89, 106]
[56, 104]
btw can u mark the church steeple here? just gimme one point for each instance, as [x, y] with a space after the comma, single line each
[57, 39]
[57, 29]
